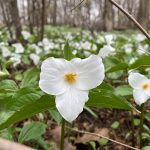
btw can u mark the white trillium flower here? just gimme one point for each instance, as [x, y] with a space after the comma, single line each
[16, 59]
[26, 35]
[140, 37]
[47, 45]
[35, 58]
[142, 49]
[40, 43]
[94, 47]
[141, 87]
[18, 48]
[109, 39]
[5, 51]
[86, 45]
[68, 36]
[105, 51]
[133, 60]
[128, 48]
[75, 52]
[70, 81]
[38, 50]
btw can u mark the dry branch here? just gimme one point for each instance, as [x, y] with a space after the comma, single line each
[101, 136]
[77, 5]
[131, 18]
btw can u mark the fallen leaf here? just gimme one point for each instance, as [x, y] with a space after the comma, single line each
[56, 137]
[87, 137]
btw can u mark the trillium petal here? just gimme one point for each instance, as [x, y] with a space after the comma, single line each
[148, 89]
[70, 104]
[140, 96]
[136, 80]
[51, 76]
[90, 72]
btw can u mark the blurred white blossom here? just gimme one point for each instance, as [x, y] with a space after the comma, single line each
[18, 47]
[106, 51]
[5, 51]
[35, 58]
[26, 35]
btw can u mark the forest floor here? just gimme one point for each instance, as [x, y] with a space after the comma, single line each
[114, 124]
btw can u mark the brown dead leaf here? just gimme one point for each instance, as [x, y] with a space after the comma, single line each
[87, 137]
[56, 137]
[56, 134]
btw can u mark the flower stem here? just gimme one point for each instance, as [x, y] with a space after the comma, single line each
[62, 134]
[133, 129]
[141, 124]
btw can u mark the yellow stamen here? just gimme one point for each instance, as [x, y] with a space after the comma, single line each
[70, 77]
[145, 86]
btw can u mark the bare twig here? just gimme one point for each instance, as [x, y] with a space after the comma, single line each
[131, 18]
[77, 5]
[101, 136]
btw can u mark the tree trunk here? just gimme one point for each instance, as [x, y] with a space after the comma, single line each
[55, 13]
[15, 18]
[30, 20]
[108, 22]
[42, 20]
[143, 13]
[6, 18]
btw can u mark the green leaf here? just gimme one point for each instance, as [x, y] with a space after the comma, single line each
[40, 141]
[44, 103]
[18, 76]
[31, 131]
[7, 134]
[8, 85]
[103, 141]
[108, 100]
[123, 90]
[145, 136]
[56, 115]
[128, 135]
[93, 145]
[142, 61]
[118, 67]
[23, 97]
[147, 117]
[105, 86]
[4, 102]
[4, 115]
[146, 148]
[30, 77]
[115, 125]
[90, 111]
[136, 121]
[146, 128]
[67, 52]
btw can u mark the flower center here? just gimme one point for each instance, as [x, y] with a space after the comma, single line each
[145, 86]
[70, 77]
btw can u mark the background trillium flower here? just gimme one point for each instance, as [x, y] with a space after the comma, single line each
[35, 58]
[109, 39]
[141, 86]
[71, 81]
[106, 50]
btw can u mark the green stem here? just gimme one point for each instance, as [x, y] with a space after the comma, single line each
[141, 123]
[133, 129]
[62, 134]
